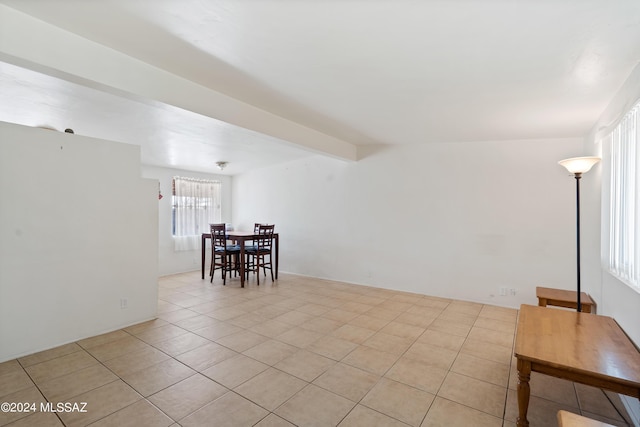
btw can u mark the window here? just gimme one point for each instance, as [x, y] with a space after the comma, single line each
[195, 205]
[623, 202]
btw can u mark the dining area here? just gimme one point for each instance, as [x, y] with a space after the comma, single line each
[240, 252]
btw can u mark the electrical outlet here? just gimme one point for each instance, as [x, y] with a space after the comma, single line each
[123, 303]
[512, 291]
[503, 291]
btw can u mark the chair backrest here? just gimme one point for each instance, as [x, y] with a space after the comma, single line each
[256, 227]
[218, 236]
[265, 239]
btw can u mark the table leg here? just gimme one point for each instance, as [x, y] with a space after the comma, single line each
[524, 374]
[202, 246]
[277, 254]
[241, 241]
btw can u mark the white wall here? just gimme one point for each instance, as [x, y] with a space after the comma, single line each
[455, 220]
[78, 233]
[170, 260]
[616, 298]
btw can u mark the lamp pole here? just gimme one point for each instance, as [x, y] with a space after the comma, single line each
[577, 166]
[578, 175]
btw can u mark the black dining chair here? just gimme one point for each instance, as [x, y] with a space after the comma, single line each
[224, 256]
[261, 253]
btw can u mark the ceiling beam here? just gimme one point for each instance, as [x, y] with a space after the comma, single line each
[37, 45]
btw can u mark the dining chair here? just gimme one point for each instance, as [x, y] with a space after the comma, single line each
[222, 253]
[261, 254]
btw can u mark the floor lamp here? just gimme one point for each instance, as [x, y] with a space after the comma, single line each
[577, 166]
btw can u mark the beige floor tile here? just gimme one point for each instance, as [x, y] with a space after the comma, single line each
[445, 326]
[332, 347]
[149, 324]
[313, 309]
[594, 401]
[389, 343]
[60, 366]
[157, 377]
[100, 402]
[347, 381]
[340, 315]
[234, 371]
[432, 355]
[299, 337]
[202, 357]
[140, 414]
[481, 369]
[403, 330]
[53, 353]
[294, 318]
[271, 328]
[369, 322]
[78, 382]
[197, 322]
[435, 302]
[247, 321]
[270, 388]
[496, 325]
[176, 315]
[241, 341]
[161, 333]
[464, 307]
[398, 306]
[305, 365]
[271, 352]
[551, 388]
[272, 420]
[424, 311]
[115, 348]
[270, 311]
[187, 396]
[371, 360]
[321, 325]
[485, 350]
[441, 339]
[474, 393]
[504, 339]
[499, 313]
[14, 380]
[415, 319]
[444, 412]
[417, 374]
[39, 419]
[103, 338]
[457, 318]
[181, 344]
[132, 362]
[218, 330]
[29, 395]
[314, 406]
[352, 333]
[356, 307]
[10, 366]
[230, 410]
[399, 401]
[361, 416]
[541, 412]
[383, 313]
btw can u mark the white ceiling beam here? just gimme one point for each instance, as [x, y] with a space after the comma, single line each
[31, 43]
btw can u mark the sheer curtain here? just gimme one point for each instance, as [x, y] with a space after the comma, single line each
[196, 204]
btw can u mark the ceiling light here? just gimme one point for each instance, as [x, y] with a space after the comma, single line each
[221, 165]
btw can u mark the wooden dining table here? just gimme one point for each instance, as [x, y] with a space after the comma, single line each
[241, 237]
[581, 347]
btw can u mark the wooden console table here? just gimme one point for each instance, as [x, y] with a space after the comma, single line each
[580, 347]
[562, 298]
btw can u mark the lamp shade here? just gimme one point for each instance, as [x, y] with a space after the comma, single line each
[579, 164]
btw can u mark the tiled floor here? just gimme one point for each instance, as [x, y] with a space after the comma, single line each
[302, 351]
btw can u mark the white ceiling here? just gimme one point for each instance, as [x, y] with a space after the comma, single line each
[361, 71]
